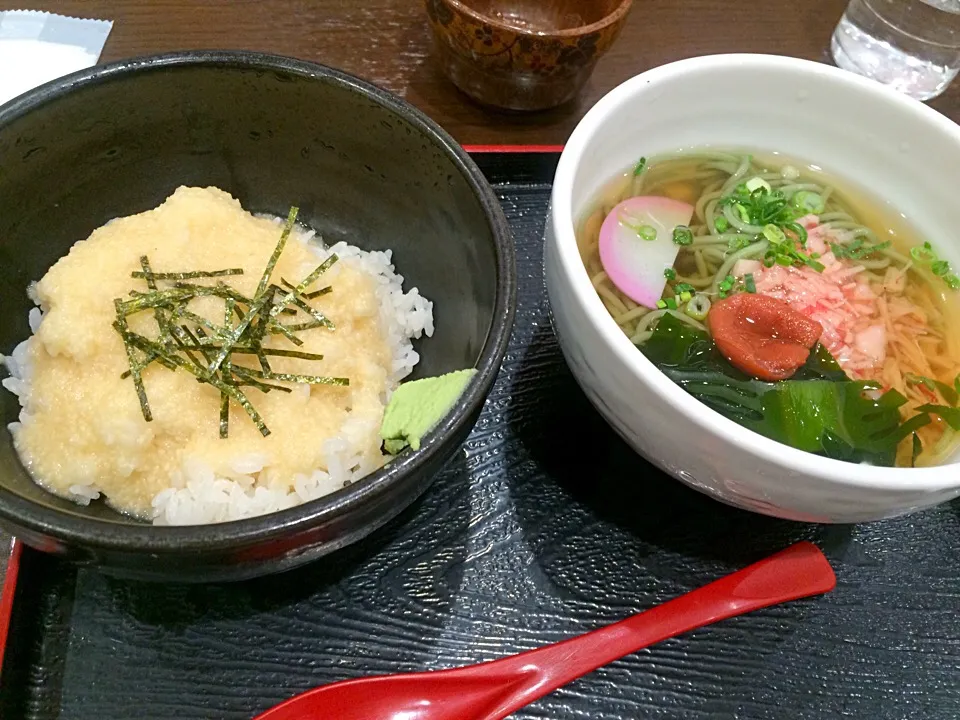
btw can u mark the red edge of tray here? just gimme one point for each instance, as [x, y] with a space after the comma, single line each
[6, 595]
[513, 148]
[13, 564]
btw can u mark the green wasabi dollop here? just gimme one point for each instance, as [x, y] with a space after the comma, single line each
[418, 406]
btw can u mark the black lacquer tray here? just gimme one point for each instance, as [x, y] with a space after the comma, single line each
[547, 525]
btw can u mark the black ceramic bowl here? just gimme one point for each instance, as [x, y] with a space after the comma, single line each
[362, 165]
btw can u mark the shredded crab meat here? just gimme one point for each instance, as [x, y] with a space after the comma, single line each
[873, 328]
[840, 298]
[860, 325]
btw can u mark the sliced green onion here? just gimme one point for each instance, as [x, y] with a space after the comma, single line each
[661, 304]
[774, 234]
[952, 281]
[640, 166]
[749, 283]
[807, 202]
[923, 254]
[940, 268]
[684, 287]
[698, 307]
[670, 274]
[798, 230]
[682, 235]
[755, 183]
[671, 303]
[742, 212]
[685, 296]
[647, 232]
[722, 224]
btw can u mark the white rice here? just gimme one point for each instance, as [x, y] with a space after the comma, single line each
[196, 494]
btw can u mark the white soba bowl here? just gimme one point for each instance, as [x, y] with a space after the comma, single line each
[899, 150]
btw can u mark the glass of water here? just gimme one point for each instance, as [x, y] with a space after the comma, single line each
[911, 45]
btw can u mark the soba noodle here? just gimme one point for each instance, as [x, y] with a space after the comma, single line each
[918, 311]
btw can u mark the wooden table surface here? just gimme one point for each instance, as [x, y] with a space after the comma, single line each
[388, 43]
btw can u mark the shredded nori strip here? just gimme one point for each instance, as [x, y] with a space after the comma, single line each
[300, 379]
[306, 296]
[272, 262]
[195, 343]
[224, 416]
[189, 341]
[322, 319]
[317, 293]
[163, 321]
[184, 314]
[234, 335]
[296, 327]
[279, 328]
[134, 366]
[150, 358]
[148, 345]
[264, 365]
[178, 336]
[304, 284]
[188, 275]
[242, 350]
[228, 305]
[250, 377]
[150, 300]
[278, 352]
[221, 290]
[297, 300]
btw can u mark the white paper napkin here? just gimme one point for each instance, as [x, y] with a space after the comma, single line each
[36, 47]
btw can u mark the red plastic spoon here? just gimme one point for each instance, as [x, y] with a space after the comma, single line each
[494, 690]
